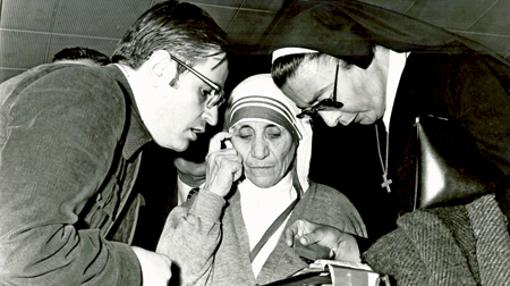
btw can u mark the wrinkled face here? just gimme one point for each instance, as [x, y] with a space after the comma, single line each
[180, 112]
[267, 151]
[361, 91]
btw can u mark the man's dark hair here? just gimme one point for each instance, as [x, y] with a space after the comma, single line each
[285, 67]
[78, 53]
[182, 29]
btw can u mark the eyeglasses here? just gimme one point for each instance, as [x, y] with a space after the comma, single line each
[325, 104]
[215, 97]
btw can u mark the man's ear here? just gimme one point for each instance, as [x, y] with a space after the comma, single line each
[161, 67]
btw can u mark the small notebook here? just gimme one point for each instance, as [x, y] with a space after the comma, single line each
[335, 273]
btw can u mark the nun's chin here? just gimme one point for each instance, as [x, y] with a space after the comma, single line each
[264, 181]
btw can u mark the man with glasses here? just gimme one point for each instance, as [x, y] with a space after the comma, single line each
[71, 145]
[350, 63]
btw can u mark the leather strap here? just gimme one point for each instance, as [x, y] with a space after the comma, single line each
[192, 192]
[272, 228]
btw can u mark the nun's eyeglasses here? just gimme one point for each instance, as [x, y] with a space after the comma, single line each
[325, 104]
[215, 96]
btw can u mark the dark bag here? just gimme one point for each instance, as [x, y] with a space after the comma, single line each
[450, 169]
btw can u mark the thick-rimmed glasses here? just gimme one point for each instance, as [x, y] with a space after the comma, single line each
[215, 97]
[325, 104]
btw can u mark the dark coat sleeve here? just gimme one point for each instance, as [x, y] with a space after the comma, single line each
[469, 88]
[421, 251]
[57, 139]
[484, 107]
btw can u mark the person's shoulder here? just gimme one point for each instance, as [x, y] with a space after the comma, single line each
[85, 73]
[327, 194]
[86, 89]
[322, 188]
[95, 82]
[330, 206]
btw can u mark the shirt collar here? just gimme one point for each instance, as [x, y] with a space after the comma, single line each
[397, 62]
[137, 135]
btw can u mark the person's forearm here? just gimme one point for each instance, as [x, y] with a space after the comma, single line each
[61, 256]
[191, 236]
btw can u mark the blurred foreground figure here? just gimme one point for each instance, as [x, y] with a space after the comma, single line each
[458, 245]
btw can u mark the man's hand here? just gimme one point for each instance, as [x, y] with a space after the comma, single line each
[223, 166]
[342, 245]
[156, 268]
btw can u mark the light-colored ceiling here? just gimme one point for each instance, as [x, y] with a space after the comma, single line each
[483, 21]
[31, 31]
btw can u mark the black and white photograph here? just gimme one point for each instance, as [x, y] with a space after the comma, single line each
[254, 142]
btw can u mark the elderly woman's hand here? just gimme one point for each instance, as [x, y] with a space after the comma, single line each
[343, 246]
[223, 166]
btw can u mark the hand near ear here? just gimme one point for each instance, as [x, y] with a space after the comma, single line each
[223, 166]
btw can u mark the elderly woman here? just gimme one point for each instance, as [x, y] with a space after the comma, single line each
[232, 231]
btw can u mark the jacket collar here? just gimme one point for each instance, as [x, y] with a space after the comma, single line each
[137, 134]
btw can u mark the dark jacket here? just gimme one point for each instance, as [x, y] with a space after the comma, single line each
[464, 88]
[70, 142]
[459, 245]
[446, 75]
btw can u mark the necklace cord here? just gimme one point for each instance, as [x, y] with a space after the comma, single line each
[384, 163]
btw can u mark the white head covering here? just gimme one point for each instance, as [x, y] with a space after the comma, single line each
[281, 52]
[258, 98]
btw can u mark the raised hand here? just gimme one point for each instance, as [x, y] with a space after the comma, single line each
[223, 166]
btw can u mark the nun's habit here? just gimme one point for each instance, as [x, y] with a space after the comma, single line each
[210, 238]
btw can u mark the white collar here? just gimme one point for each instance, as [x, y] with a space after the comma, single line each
[283, 186]
[397, 62]
[127, 71]
[137, 83]
[183, 190]
[260, 207]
